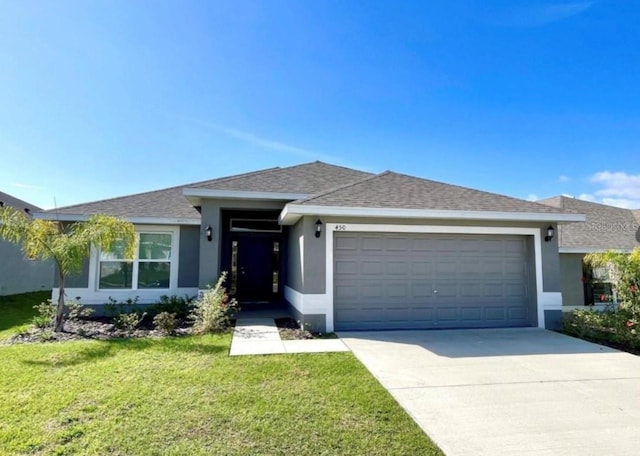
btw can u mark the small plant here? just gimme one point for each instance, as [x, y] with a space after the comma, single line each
[46, 314]
[178, 305]
[213, 310]
[128, 321]
[165, 322]
[77, 311]
[46, 336]
[115, 307]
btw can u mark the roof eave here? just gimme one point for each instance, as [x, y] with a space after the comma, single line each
[196, 195]
[139, 220]
[293, 212]
[591, 250]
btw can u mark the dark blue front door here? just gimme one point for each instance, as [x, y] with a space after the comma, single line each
[254, 266]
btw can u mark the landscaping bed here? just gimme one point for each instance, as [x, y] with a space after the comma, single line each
[617, 329]
[291, 329]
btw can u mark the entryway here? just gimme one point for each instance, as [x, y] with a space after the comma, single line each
[253, 248]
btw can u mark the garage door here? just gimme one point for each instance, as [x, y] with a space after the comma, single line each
[417, 281]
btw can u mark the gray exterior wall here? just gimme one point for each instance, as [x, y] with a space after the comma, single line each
[210, 251]
[20, 275]
[553, 319]
[550, 261]
[571, 279]
[189, 258]
[294, 259]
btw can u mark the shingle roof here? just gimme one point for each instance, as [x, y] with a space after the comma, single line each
[17, 203]
[309, 178]
[606, 227]
[393, 190]
[168, 202]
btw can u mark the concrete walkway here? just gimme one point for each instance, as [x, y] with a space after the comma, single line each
[509, 392]
[260, 336]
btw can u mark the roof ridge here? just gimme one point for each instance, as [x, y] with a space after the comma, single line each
[341, 187]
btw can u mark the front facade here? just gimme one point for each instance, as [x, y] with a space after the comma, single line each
[347, 250]
[605, 228]
[17, 273]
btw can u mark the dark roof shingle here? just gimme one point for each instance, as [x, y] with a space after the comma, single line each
[17, 203]
[606, 227]
[393, 190]
[308, 178]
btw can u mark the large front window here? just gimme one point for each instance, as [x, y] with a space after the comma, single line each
[151, 267]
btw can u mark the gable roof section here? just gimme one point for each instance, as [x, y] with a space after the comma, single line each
[606, 227]
[171, 203]
[305, 179]
[401, 195]
[17, 203]
[160, 204]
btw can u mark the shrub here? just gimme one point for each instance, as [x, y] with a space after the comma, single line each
[165, 322]
[46, 314]
[128, 321]
[180, 306]
[213, 310]
[114, 307]
[77, 311]
[619, 327]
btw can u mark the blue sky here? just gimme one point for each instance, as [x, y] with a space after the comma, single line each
[526, 98]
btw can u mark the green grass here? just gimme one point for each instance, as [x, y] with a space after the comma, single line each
[179, 396]
[16, 311]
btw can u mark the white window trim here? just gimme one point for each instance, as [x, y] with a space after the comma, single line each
[94, 264]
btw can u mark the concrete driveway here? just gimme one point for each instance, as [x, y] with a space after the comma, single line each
[509, 391]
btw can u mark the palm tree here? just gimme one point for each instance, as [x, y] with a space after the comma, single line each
[67, 244]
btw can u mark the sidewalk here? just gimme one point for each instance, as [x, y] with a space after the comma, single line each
[260, 336]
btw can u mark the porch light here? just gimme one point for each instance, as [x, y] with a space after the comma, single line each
[318, 228]
[550, 233]
[208, 231]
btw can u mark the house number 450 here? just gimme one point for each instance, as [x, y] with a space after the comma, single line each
[341, 227]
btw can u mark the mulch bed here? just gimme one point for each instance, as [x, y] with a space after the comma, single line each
[99, 329]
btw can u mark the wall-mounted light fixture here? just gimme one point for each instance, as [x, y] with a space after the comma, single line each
[208, 231]
[550, 233]
[318, 228]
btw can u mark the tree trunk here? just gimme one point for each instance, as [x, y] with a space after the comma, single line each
[59, 326]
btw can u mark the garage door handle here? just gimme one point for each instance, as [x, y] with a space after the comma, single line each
[435, 291]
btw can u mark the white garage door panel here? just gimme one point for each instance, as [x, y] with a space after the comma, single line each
[392, 281]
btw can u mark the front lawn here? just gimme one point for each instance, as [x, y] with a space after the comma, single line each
[187, 396]
[16, 311]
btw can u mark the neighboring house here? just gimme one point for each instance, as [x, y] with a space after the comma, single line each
[17, 273]
[344, 248]
[605, 228]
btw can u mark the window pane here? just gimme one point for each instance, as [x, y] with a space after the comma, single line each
[116, 252]
[115, 274]
[153, 274]
[155, 246]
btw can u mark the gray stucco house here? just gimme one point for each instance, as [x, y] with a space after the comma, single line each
[345, 249]
[17, 273]
[605, 228]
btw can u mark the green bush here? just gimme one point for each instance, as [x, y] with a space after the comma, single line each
[619, 327]
[46, 314]
[165, 322]
[178, 305]
[128, 321]
[213, 310]
[76, 311]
